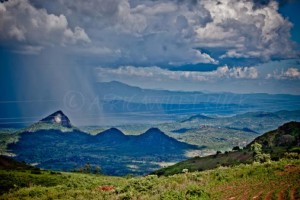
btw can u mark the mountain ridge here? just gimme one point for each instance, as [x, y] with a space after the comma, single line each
[114, 151]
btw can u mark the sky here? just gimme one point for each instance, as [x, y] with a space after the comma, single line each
[49, 48]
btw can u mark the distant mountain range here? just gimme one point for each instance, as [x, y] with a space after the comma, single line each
[257, 122]
[132, 103]
[115, 103]
[116, 153]
[117, 91]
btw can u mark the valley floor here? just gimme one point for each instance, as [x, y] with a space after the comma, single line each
[275, 180]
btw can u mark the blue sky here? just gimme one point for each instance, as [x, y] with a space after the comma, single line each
[48, 48]
[291, 11]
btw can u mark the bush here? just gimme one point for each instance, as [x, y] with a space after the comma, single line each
[55, 173]
[196, 193]
[295, 150]
[173, 194]
[236, 148]
[129, 176]
[141, 185]
[256, 148]
[126, 196]
[262, 157]
[220, 177]
[292, 155]
[258, 156]
[36, 171]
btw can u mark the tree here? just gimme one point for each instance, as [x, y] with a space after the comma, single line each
[236, 148]
[258, 156]
[97, 170]
[86, 168]
[256, 148]
[262, 157]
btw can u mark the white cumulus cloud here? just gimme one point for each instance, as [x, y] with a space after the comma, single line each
[246, 30]
[290, 73]
[20, 21]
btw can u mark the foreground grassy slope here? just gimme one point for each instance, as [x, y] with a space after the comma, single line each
[275, 180]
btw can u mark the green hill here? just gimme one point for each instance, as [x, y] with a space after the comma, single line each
[284, 139]
[117, 153]
[207, 162]
[277, 142]
[285, 136]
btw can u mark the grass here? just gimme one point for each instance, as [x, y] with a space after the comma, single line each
[208, 162]
[245, 181]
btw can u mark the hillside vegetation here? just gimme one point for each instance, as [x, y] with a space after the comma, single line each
[207, 162]
[285, 139]
[277, 142]
[235, 175]
[275, 180]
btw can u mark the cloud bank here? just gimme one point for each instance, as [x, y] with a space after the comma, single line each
[159, 74]
[147, 32]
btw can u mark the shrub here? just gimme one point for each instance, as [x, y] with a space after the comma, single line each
[236, 148]
[258, 156]
[55, 173]
[129, 176]
[295, 149]
[173, 194]
[256, 148]
[151, 177]
[141, 185]
[220, 177]
[292, 155]
[195, 177]
[262, 157]
[97, 170]
[36, 171]
[196, 193]
[126, 196]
